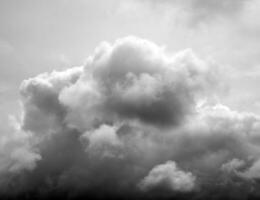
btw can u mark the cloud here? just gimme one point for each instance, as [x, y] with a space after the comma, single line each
[208, 9]
[253, 172]
[42, 110]
[103, 140]
[170, 176]
[17, 152]
[135, 79]
[204, 11]
[233, 165]
[107, 127]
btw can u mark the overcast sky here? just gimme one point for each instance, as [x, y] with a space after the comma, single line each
[55, 35]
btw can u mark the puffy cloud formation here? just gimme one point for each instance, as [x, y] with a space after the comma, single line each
[170, 176]
[113, 124]
[16, 150]
[103, 140]
[233, 165]
[253, 172]
[43, 112]
[135, 79]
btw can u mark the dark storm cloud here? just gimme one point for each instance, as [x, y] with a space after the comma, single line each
[134, 120]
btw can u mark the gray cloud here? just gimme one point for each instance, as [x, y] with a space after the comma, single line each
[112, 125]
[197, 12]
[233, 165]
[17, 152]
[135, 79]
[208, 9]
[42, 109]
[170, 176]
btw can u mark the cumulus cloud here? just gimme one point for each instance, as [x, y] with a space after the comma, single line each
[170, 176]
[17, 152]
[135, 79]
[233, 165]
[103, 140]
[42, 110]
[109, 125]
[253, 172]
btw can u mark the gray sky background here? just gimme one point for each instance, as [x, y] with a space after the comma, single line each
[42, 36]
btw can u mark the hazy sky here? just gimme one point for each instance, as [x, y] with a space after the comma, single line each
[39, 36]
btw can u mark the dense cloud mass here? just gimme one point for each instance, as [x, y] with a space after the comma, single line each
[134, 120]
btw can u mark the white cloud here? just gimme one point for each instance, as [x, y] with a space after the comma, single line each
[170, 176]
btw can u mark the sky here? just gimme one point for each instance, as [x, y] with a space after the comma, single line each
[120, 83]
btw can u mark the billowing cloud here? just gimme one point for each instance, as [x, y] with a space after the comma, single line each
[135, 79]
[17, 156]
[233, 165]
[170, 176]
[17, 152]
[103, 140]
[253, 172]
[42, 110]
[134, 118]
